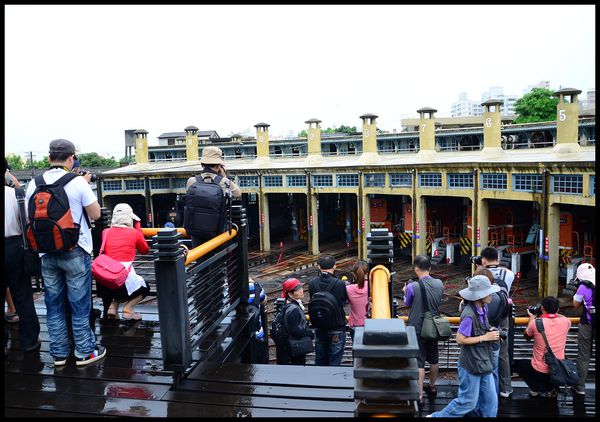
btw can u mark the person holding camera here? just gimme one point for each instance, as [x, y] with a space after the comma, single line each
[504, 278]
[535, 372]
[476, 392]
[585, 295]
[428, 349]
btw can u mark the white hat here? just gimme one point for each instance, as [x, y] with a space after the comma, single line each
[212, 155]
[479, 287]
[586, 271]
[123, 215]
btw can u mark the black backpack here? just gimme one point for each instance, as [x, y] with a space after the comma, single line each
[504, 307]
[323, 308]
[279, 332]
[51, 228]
[206, 208]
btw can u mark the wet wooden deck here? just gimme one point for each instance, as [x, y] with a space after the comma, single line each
[131, 381]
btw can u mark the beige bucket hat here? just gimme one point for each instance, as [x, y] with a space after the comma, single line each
[212, 155]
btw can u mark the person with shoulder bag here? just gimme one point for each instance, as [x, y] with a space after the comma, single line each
[535, 371]
[476, 392]
[119, 244]
[424, 295]
[297, 339]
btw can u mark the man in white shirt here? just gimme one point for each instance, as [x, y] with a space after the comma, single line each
[14, 273]
[68, 275]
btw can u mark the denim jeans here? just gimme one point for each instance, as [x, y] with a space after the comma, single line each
[68, 277]
[329, 347]
[496, 364]
[476, 392]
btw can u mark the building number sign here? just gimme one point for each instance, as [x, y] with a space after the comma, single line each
[488, 122]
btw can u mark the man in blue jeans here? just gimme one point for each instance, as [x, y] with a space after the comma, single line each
[329, 343]
[68, 275]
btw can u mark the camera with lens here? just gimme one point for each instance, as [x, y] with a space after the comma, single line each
[92, 179]
[476, 260]
[502, 331]
[535, 310]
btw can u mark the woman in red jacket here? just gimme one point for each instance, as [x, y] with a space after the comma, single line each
[123, 238]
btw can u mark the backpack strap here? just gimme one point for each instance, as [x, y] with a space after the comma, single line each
[423, 295]
[20, 194]
[540, 327]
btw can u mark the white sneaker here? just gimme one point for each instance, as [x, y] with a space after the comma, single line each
[428, 416]
[533, 393]
[505, 394]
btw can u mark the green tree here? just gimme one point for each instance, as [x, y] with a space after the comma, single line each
[124, 161]
[42, 164]
[537, 106]
[15, 162]
[93, 159]
[303, 134]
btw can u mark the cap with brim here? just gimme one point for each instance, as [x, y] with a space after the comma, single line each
[479, 287]
[62, 146]
[290, 285]
[125, 209]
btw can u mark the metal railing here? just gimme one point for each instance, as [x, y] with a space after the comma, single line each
[202, 297]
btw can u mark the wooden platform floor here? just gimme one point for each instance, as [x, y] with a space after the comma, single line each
[131, 381]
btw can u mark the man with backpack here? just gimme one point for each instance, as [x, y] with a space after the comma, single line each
[326, 310]
[504, 278]
[59, 204]
[433, 289]
[208, 198]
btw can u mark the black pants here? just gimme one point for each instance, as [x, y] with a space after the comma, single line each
[22, 294]
[284, 357]
[537, 381]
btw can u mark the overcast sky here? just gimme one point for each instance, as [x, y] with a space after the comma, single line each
[88, 73]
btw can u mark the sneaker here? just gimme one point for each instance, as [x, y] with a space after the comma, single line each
[533, 393]
[505, 394]
[98, 353]
[428, 416]
[578, 390]
[59, 361]
[11, 317]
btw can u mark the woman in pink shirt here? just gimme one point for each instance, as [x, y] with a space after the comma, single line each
[358, 296]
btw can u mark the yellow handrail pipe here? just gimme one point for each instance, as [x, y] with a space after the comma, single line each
[518, 320]
[201, 250]
[379, 279]
[153, 231]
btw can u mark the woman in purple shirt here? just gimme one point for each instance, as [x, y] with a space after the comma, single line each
[586, 276]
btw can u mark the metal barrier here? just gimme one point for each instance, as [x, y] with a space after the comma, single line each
[202, 306]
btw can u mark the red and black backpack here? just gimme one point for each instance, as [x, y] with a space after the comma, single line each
[51, 228]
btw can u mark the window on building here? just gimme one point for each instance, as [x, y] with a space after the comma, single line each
[527, 182]
[178, 183]
[159, 183]
[248, 181]
[493, 181]
[593, 185]
[460, 180]
[430, 180]
[273, 181]
[347, 180]
[567, 183]
[374, 180]
[136, 184]
[296, 181]
[112, 185]
[322, 180]
[400, 179]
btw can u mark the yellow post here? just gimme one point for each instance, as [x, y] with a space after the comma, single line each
[141, 146]
[379, 279]
[426, 129]
[553, 225]
[262, 140]
[191, 143]
[567, 121]
[369, 133]
[492, 125]
[314, 137]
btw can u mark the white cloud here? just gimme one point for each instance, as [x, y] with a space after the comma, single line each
[87, 73]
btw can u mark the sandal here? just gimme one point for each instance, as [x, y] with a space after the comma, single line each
[131, 316]
[432, 391]
[11, 317]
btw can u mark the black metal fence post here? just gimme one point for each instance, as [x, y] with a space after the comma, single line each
[239, 218]
[171, 293]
